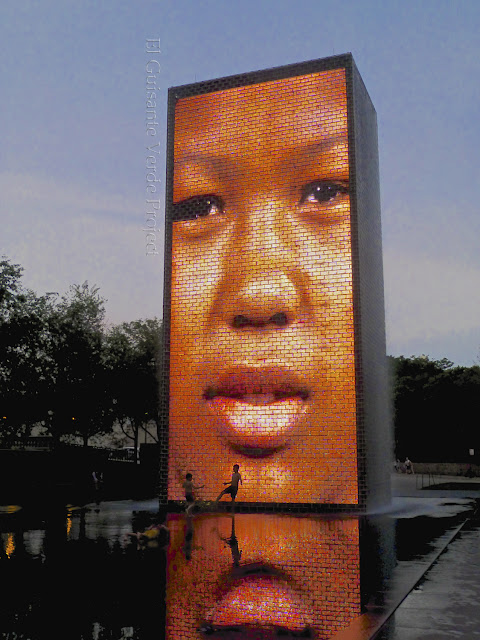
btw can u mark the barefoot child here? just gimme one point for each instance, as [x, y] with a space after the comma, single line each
[233, 488]
[189, 491]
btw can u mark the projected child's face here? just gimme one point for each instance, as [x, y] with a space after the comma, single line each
[262, 364]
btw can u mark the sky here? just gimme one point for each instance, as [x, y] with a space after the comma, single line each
[73, 153]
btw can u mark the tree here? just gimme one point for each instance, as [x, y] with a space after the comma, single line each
[27, 368]
[59, 367]
[10, 287]
[434, 404]
[464, 409]
[79, 403]
[131, 357]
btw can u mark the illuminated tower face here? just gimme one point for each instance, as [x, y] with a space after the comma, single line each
[262, 341]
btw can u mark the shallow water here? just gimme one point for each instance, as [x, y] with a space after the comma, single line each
[219, 575]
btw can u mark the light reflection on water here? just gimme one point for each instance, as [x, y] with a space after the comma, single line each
[268, 573]
[76, 574]
[49, 561]
[9, 545]
[277, 573]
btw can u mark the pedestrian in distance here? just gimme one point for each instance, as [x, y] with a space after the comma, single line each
[408, 466]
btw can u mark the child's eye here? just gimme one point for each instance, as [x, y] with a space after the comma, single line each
[322, 191]
[198, 207]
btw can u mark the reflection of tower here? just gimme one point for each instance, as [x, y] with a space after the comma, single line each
[377, 556]
[293, 575]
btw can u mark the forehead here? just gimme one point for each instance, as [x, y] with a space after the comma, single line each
[281, 113]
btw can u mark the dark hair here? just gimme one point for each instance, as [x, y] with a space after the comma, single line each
[236, 465]
[188, 476]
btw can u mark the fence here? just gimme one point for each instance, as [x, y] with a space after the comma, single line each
[45, 443]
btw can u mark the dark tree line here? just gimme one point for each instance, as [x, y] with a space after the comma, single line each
[436, 409]
[63, 369]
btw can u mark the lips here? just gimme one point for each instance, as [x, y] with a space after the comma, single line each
[257, 408]
[260, 602]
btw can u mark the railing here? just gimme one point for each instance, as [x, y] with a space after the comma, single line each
[28, 443]
[44, 443]
[424, 480]
[121, 455]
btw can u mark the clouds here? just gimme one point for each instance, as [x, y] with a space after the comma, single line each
[63, 234]
[25, 192]
[72, 168]
[432, 271]
[428, 297]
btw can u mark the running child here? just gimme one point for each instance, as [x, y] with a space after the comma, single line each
[233, 484]
[189, 491]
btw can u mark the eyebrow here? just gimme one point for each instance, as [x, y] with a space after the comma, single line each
[317, 148]
[210, 160]
[220, 161]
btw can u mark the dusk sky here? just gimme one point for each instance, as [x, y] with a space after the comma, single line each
[72, 163]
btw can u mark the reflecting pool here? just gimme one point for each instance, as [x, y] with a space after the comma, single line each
[123, 570]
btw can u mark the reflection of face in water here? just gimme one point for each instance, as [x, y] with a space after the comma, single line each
[262, 364]
[299, 575]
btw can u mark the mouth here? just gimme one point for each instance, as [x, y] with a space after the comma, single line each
[259, 604]
[257, 407]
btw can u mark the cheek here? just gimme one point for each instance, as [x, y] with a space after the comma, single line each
[191, 294]
[325, 256]
[195, 277]
[198, 268]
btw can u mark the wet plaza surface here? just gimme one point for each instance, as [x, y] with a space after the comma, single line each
[445, 603]
[79, 573]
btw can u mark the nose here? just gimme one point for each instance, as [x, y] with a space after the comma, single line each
[262, 286]
[264, 298]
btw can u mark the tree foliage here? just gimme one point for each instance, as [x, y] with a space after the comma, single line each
[131, 356]
[27, 364]
[436, 405]
[62, 368]
[79, 404]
